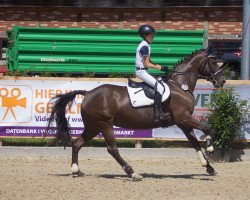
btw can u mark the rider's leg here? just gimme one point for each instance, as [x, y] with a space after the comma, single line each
[150, 80]
[159, 113]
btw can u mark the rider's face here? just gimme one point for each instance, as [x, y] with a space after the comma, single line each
[150, 38]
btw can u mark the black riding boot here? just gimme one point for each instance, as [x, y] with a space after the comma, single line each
[159, 115]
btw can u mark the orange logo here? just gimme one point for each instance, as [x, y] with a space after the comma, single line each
[11, 99]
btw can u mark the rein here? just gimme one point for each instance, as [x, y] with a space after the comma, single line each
[211, 77]
[184, 73]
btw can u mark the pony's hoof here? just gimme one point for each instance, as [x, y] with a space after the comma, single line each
[136, 177]
[209, 144]
[74, 168]
[210, 171]
[78, 174]
[210, 149]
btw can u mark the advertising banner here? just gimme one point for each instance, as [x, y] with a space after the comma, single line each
[25, 106]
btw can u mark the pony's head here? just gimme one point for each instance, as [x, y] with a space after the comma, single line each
[201, 65]
[211, 71]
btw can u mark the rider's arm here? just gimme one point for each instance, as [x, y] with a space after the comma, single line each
[149, 64]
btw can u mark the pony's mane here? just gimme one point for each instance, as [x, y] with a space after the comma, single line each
[185, 59]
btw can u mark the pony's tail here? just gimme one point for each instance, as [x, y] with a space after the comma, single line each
[59, 104]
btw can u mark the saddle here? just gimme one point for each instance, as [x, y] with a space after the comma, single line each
[147, 89]
[141, 94]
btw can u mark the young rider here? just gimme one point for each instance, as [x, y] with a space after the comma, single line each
[143, 62]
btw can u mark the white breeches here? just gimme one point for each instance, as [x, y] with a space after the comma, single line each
[147, 78]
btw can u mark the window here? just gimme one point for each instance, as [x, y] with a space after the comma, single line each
[3, 46]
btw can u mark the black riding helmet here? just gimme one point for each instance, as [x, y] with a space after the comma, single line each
[145, 30]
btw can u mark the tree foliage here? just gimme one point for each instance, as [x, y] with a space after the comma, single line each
[226, 117]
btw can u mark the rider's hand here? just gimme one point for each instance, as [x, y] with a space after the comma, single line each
[165, 69]
[157, 66]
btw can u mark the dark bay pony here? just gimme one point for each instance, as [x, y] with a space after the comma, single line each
[109, 105]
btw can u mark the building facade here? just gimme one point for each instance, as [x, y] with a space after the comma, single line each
[222, 20]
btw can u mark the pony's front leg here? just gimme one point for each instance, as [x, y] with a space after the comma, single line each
[195, 124]
[204, 161]
[113, 150]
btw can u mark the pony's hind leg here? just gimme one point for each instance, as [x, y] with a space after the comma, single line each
[108, 134]
[77, 144]
[204, 161]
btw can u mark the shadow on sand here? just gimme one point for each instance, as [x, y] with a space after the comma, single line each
[204, 177]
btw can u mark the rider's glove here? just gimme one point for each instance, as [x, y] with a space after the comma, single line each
[165, 69]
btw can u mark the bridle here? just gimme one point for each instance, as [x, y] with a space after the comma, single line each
[213, 77]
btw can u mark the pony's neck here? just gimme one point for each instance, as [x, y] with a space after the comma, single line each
[188, 70]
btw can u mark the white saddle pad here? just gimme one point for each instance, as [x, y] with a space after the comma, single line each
[139, 99]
